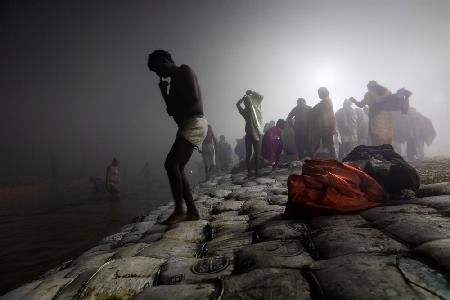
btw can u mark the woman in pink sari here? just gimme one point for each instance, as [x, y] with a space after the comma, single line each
[272, 145]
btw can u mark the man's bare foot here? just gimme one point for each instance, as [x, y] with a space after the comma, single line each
[192, 216]
[174, 218]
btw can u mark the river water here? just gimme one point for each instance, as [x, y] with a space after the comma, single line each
[41, 231]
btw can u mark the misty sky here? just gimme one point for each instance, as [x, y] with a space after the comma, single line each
[74, 80]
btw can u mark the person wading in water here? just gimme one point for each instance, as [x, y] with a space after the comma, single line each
[184, 104]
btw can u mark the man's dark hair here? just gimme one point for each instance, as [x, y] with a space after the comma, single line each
[323, 92]
[281, 123]
[158, 57]
[376, 87]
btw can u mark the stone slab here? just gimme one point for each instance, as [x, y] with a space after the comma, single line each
[195, 270]
[188, 231]
[166, 248]
[123, 278]
[376, 277]
[337, 241]
[337, 221]
[228, 243]
[438, 250]
[266, 284]
[179, 292]
[272, 254]
[284, 230]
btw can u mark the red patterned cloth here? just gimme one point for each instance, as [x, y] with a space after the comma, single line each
[272, 145]
[329, 187]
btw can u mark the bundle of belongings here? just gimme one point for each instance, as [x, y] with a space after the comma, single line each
[386, 166]
[366, 178]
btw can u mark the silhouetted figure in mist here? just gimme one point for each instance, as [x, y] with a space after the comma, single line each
[347, 125]
[415, 130]
[269, 125]
[112, 177]
[209, 152]
[321, 125]
[146, 171]
[272, 144]
[239, 149]
[423, 133]
[381, 103]
[363, 125]
[251, 112]
[184, 104]
[297, 119]
[55, 167]
[224, 157]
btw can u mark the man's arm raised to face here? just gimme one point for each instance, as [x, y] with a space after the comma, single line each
[239, 106]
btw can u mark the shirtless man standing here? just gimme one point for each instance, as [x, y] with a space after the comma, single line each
[184, 103]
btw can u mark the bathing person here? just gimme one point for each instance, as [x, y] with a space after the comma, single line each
[381, 103]
[209, 148]
[347, 125]
[224, 155]
[297, 119]
[112, 177]
[251, 112]
[272, 144]
[322, 125]
[184, 103]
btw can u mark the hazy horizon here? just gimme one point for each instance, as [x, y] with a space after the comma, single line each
[74, 80]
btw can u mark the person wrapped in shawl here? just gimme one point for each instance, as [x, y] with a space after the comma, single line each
[363, 125]
[251, 112]
[299, 114]
[272, 144]
[422, 132]
[224, 155]
[289, 143]
[321, 125]
[347, 125]
[381, 103]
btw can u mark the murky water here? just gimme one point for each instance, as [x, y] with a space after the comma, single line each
[47, 229]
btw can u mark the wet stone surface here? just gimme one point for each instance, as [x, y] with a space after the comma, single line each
[195, 270]
[377, 277]
[332, 242]
[242, 248]
[266, 284]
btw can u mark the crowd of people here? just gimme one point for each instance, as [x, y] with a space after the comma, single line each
[381, 117]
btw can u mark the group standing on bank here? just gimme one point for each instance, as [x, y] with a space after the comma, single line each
[381, 117]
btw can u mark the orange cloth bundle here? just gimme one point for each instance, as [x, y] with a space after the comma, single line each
[330, 187]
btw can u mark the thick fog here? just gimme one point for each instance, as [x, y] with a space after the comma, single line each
[74, 81]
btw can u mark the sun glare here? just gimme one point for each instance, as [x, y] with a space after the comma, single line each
[325, 77]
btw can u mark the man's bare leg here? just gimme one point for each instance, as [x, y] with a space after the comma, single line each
[177, 158]
[192, 212]
[257, 149]
[248, 154]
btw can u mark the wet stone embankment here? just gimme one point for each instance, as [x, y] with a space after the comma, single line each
[243, 249]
